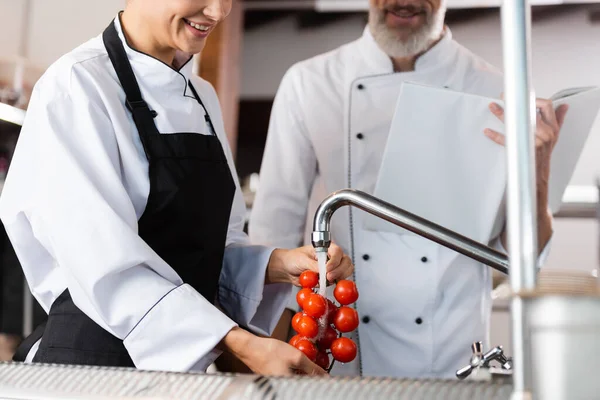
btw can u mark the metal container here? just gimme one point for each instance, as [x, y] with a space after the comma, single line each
[565, 345]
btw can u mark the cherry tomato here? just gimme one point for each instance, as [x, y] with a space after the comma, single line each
[331, 311]
[329, 335]
[315, 305]
[295, 340]
[309, 279]
[345, 292]
[307, 327]
[303, 295]
[322, 359]
[308, 348]
[296, 320]
[346, 319]
[343, 350]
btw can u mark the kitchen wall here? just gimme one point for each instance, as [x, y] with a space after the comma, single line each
[54, 27]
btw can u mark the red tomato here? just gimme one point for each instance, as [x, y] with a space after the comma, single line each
[327, 339]
[303, 295]
[307, 327]
[322, 360]
[308, 348]
[295, 340]
[331, 311]
[343, 350]
[309, 279]
[296, 320]
[346, 319]
[345, 292]
[315, 305]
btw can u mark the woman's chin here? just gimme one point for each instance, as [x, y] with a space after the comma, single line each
[191, 47]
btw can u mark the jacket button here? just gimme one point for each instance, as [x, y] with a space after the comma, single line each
[366, 257]
[360, 136]
[361, 86]
[366, 319]
[424, 259]
[419, 321]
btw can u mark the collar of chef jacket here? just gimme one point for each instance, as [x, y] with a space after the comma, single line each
[150, 69]
[381, 63]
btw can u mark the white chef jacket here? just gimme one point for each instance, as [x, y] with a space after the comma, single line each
[422, 304]
[78, 184]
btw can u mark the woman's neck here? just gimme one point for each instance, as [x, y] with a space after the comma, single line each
[139, 36]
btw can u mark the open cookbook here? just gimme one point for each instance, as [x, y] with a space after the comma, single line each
[461, 179]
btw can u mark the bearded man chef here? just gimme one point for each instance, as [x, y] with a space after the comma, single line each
[124, 209]
[422, 305]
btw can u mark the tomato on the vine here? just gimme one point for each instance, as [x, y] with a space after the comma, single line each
[315, 305]
[322, 359]
[308, 348]
[346, 319]
[331, 311]
[307, 327]
[345, 292]
[329, 335]
[295, 340]
[309, 279]
[336, 320]
[296, 320]
[303, 295]
[343, 350]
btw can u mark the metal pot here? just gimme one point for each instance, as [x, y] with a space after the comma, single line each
[565, 345]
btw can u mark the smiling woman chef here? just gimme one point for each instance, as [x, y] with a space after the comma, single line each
[123, 206]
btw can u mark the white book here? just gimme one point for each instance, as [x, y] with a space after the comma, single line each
[438, 163]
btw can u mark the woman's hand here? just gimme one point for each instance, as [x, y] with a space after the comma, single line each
[285, 266]
[266, 356]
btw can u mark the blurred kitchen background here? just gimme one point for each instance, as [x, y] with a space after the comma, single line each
[249, 54]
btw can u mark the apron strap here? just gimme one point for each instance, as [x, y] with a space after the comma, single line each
[206, 114]
[142, 115]
[26, 345]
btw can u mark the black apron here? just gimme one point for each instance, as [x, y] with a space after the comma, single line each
[185, 222]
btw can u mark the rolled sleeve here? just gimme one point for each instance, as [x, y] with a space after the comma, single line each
[193, 326]
[243, 294]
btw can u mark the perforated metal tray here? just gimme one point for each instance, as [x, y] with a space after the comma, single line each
[50, 382]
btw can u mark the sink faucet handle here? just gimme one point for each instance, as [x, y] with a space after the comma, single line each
[480, 360]
[464, 372]
[477, 348]
[475, 361]
[497, 354]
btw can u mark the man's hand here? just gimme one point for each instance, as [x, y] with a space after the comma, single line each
[285, 266]
[548, 125]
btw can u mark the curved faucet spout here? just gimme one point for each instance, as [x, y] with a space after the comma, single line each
[321, 236]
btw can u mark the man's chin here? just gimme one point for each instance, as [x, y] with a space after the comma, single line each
[402, 35]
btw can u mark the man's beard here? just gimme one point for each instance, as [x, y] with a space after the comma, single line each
[418, 41]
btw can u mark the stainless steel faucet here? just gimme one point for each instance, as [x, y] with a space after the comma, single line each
[480, 360]
[321, 236]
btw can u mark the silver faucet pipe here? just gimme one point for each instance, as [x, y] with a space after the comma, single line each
[321, 237]
[519, 120]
